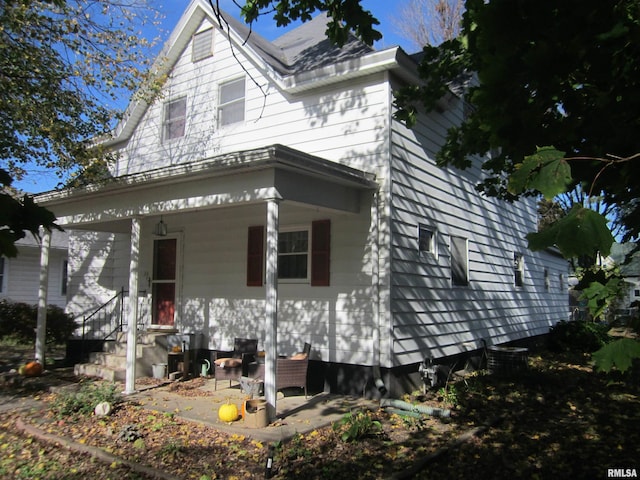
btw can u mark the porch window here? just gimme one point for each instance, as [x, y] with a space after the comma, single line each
[231, 104]
[293, 255]
[459, 261]
[303, 254]
[202, 45]
[175, 117]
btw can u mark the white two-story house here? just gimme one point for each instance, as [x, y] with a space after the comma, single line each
[269, 193]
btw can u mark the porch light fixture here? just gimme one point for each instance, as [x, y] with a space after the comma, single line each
[161, 229]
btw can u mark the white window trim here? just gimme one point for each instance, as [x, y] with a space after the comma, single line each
[298, 228]
[222, 105]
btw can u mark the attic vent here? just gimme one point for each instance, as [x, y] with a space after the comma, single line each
[202, 46]
[505, 360]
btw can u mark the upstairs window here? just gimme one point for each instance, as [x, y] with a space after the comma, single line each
[518, 269]
[231, 104]
[459, 261]
[202, 45]
[175, 119]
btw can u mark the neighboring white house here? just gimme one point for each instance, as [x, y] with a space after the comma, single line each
[20, 276]
[265, 160]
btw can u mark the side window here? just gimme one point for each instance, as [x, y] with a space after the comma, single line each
[518, 269]
[459, 261]
[547, 281]
[202, 45]
[65, 277]
[427, 239]
[2, 274]
[174, 119]
[231, 104]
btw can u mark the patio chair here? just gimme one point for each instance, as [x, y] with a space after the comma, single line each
[290, 371]
[232, 364]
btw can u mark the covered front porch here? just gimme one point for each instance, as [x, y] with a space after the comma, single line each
[185, 242]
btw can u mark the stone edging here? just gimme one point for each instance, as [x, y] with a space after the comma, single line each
[95, 452]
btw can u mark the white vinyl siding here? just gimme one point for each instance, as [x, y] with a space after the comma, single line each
[429, 317]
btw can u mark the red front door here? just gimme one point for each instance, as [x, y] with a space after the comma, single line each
[164, 281]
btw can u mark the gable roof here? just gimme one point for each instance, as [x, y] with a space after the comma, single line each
[299, 60]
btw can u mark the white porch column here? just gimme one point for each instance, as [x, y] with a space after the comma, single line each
[43, 290]
[271, 310]
[130, 377]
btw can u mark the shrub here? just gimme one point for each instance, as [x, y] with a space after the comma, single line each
[356, 426]
[578, 336]
[19, 321]
[84, 401]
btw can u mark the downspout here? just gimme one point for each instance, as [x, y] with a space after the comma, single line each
[375, 287]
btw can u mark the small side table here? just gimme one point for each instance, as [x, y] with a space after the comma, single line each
[179, 362]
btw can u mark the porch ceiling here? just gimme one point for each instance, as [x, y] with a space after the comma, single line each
[245, 177]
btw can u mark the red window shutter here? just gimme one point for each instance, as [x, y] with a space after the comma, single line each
[255, 256]
[320, 252]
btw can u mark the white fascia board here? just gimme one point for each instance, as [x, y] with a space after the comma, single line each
[383, 60]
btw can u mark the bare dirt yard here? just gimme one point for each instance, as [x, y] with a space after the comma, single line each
[557, 419]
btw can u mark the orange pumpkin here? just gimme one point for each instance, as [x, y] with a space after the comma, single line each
[33, 369]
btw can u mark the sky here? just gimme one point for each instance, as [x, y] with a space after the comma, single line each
[40, 179]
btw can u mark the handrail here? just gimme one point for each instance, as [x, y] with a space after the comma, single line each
[87, 318]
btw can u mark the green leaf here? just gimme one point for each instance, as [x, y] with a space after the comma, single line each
[546, 171]
[619, 354]
[581, 232]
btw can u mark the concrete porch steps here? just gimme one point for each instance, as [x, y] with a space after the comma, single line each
[110, 364]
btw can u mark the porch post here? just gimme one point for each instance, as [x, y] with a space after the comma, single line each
[43, 290]
[130, 376]
[271, 310]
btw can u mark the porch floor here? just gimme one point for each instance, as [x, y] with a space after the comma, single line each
[295, 413]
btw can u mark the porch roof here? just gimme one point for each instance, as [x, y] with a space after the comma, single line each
[243, 177]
